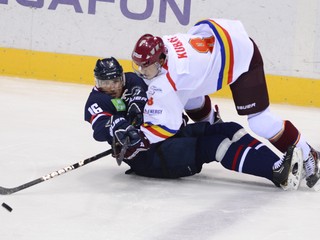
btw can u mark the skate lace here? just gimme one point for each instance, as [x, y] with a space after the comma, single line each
[310, 165]
[279, 163]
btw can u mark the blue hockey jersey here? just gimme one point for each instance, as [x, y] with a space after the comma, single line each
[101, 109]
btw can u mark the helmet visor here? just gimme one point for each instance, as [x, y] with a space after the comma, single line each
[148, 71]
[112, 87]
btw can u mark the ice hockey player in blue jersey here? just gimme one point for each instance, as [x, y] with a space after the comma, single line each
[117, 99]
[115, 111]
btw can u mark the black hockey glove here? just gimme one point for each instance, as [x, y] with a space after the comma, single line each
[132, 139]
[136, 103]
[134, 115]
[116, 122]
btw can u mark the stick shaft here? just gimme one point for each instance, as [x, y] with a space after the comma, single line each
[7, 191]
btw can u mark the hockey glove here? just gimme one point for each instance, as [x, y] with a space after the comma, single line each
[132, 139]
[116, 122]
[134, 115]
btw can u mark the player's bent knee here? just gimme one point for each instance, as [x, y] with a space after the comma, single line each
[222, 149]
[239, 134]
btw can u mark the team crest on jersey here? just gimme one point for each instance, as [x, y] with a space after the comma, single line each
[153, 89]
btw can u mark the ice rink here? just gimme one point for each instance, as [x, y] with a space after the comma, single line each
[42, 129]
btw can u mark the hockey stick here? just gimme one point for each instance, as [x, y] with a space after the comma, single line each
[123, 151]
[7, 191]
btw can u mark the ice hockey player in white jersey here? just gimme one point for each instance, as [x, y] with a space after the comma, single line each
[182, 69]
[114, 110]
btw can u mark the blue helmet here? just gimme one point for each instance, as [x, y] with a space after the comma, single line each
[108, 69]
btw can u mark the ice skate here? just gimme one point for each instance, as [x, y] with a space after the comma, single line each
[312, 170]
[287, 171]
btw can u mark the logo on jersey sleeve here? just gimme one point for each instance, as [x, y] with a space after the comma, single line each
[202, 45]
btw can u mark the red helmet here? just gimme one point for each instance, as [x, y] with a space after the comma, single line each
[148, 50]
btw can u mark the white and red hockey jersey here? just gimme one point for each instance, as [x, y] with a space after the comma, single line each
[214, 53]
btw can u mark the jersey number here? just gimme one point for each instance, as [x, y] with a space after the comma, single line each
[202, 45]
[94, 109]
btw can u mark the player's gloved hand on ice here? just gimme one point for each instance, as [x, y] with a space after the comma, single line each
[134, 115]
[117, 122]
[133, 139]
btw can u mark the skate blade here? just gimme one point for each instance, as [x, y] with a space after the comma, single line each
[296, 171]
[316, 187]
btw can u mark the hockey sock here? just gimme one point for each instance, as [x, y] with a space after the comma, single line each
[236, 133]
[244, 159]
[203, 113]
[250, 141]
[289, 135]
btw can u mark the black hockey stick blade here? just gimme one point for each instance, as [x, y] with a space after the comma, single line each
[123, 151]
[7, 191]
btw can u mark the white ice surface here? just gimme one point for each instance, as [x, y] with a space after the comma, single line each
[42, 129]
